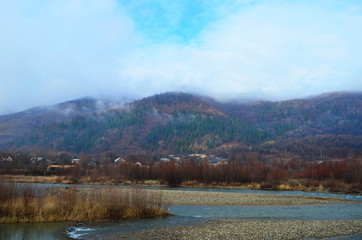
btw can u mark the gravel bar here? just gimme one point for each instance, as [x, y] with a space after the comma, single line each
[254, 229]
[180, 197]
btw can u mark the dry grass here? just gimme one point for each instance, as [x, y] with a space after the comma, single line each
[285, 185]
[31, 204]
[65, 179]
[28, 179]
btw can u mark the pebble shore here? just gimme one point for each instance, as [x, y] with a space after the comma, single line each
[178, 197]
[249, 229]
[254, 229]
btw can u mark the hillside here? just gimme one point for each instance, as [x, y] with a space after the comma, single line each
[16, 126]
[335, 113]
[326, 126]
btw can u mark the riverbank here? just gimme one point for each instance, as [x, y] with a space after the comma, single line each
[27, 203]
[182, 197]
[212, 229]
[254, 229]
[288, 185]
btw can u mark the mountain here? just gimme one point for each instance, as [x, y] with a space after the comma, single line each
[325, 126]
[14, 126]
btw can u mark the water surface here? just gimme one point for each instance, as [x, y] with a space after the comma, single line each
[272, 192]
[188, 215]
[29, 231]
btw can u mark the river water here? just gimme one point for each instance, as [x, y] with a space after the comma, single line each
[189, 215]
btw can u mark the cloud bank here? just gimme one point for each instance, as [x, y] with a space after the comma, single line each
[53, 51]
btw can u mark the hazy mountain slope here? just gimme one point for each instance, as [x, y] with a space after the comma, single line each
[14, 126]
[335, 113]
[180, 123]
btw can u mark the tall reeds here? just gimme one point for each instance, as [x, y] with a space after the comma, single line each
[35, 204]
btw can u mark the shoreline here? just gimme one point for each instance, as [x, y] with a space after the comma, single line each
[184, 197]
[239, 228]
[254, 229]
[199, 197]
[154, 183]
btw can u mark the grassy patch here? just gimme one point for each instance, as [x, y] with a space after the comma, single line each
[35, 204]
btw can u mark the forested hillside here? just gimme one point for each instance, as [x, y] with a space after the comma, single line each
[325, 126]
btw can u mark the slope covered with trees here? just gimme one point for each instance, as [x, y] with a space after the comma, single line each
[325, 126]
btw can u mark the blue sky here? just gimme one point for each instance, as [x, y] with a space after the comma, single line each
[57, 50]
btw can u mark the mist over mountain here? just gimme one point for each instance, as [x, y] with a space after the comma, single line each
[320, 127]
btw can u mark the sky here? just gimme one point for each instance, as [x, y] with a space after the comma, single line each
[57, 50]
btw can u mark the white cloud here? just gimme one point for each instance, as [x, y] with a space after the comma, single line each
[53, 51]
[57, 50]
[276, 50]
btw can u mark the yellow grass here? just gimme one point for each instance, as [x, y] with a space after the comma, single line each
[103, 204]
[255, 186]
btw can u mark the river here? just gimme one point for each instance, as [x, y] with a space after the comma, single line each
[189, 215]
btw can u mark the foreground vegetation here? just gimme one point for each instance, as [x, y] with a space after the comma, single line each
[27, 203]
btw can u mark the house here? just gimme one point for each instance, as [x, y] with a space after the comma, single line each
[198, 155]
[6, 159]
[60, 167]
[76, 161]
[138, 164]
[177, 159]
[218, 161]
[203, 156]
[165, 159]
[173, 157]
[119, 161]
[37, 160]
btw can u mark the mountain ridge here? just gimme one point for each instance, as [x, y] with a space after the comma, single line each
[183, 123]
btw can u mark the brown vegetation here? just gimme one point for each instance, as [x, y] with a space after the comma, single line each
[245, 169]
[35, 204]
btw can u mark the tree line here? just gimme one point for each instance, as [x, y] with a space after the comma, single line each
[235, 171]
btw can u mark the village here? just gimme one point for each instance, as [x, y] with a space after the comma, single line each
[70, 162]
[119, 161]
[187, 170]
